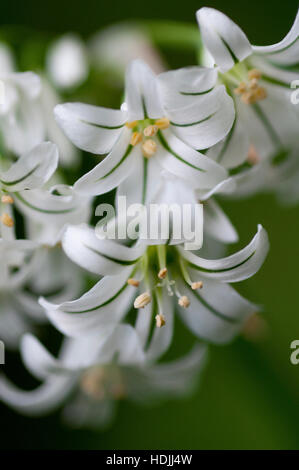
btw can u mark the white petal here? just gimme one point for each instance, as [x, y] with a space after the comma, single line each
[104, 305]
[184, 162]
[105, 257]
[142, 92]
[112, 170]
[184, 86]
[237, 267]
[90, 128]
[43, 399]
[33, 169]
[206, 121]
[216, 313]
[223, 38]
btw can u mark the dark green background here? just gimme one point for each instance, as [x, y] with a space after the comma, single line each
[249, 393]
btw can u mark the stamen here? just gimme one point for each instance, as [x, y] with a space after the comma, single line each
[133, 282]
[7, 199]
[241, 88]
[253, 157]
[261, 93]
[142, 300]
[197, 285]
[150, 131]
[254, 73]
[162, 123]
[184, 301]
[149, 147]
[131, 124]
[7, 220]
[162, 273]
[136, 138]
[160, 320]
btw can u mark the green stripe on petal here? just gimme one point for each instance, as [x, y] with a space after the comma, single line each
[192, 123]
[45, 211]
[215, 271]
[126, 154]
[110, 258]
[10, 183]
[166, 146]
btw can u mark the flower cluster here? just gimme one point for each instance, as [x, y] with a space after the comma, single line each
[224, 127]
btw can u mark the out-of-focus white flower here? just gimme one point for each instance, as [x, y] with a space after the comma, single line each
[166, 274]
[21, 126]
[116, 46]
[67, 61]
[85, 367]
[148, 136]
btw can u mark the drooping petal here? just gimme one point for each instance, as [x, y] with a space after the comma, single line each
[216, 313]
[53, 209]
[43, 399]
[185, 162]
[237, 267]
[105, 257]
[102, 306]
[112, 170]
[90, 128]
[160, 381]
[142, 92]
[223, 38]
[33, 169]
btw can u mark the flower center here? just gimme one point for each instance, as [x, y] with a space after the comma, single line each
[161, 268]
[144, 131]
[250, 90]
[100, 382]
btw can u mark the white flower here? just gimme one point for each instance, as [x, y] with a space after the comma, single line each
[67, 63]
[216, 312]
[85, 366]
[257, 78]
[142, 138]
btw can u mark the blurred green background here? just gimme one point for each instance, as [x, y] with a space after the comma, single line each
[249, 393]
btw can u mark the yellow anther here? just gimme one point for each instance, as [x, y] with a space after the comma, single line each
[150, 131]
[7, 220]
[133, 282]
[260, 93]
[254, 73]
[7, 199]
[136, 138]
[197, 285]
[160, 320]
[142, 300]
[253, 85]
[149, 147]
[162, 273]
[184, 301]
[131, 124]
[241, 88]
[253, 157]
[162, 123]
